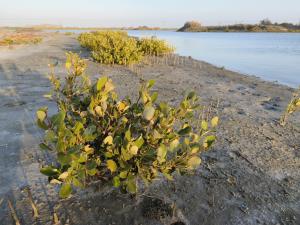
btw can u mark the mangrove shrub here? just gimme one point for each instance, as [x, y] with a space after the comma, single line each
[98, 136]
[292, 107]
[116, 47]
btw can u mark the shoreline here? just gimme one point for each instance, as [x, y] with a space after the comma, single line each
[243, 180]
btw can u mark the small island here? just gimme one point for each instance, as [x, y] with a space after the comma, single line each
[265, 25]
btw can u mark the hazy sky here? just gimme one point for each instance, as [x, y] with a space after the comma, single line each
[164, 13]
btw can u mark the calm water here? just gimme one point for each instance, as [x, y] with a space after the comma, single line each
[271, 56]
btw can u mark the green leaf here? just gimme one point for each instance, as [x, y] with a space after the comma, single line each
[49, 171]
[185, 131]
[161, 153]
[116, 182]
[42, 125]
[128, 135]
[58, 119]
[139, 142]
[50, 136]
[164, 107]
[64, 159]
[148, 112]
[150, 83]
[154, 96]
[209, 140]
[195, 147]
[204, 125]
[168, 176]
[65, 190]
[43, 146]
[78, 127]
[191, 95]
[44, 109]
[91, 165]
[101, 83]
[92, 172]
[68, 65]
[123, 174]
[41, 115]
[89, 133]
[77, 183]
[131, 186]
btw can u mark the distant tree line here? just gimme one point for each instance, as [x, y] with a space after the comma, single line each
[265, 25]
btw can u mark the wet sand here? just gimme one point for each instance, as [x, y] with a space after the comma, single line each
[251, 176]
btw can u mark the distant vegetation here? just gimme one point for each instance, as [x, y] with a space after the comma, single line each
[116, 47]
[111, 47]
[99, 137]
[192, 26]
[19, 38]
[145, 28]
[264, 26]
[69, 33]
[56, 27]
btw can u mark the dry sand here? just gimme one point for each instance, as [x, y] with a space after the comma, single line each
[251, 176]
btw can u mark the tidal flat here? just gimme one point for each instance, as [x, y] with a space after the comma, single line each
[251, 176]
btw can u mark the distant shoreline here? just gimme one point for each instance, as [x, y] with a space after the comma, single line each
[265, 26]
[198, 29]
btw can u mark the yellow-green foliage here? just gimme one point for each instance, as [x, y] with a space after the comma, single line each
[116, 47]
[21, 38]
[292, 107]
[155, 47]
[97, 136]
[111, 47]
[69, 33]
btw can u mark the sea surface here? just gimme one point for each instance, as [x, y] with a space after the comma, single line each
[270, 56]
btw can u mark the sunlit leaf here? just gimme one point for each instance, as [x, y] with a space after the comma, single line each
[150, 83]
[116, 181]
[131, 186]
[134, 150]
[41, 115]
[161, 153]
[139, 142]
[101, 82]
[148, 112]
[111, 165]
[215, 121]
[194, 162]
[108, 140]
[204, 125]
[63, 176]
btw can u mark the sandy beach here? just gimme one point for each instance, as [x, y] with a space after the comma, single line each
[251, 176]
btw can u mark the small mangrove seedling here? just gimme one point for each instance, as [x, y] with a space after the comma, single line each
[292, 107]
[97, 136]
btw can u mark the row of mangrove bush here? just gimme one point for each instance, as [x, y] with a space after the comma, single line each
[116, 47]
[98, 136]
